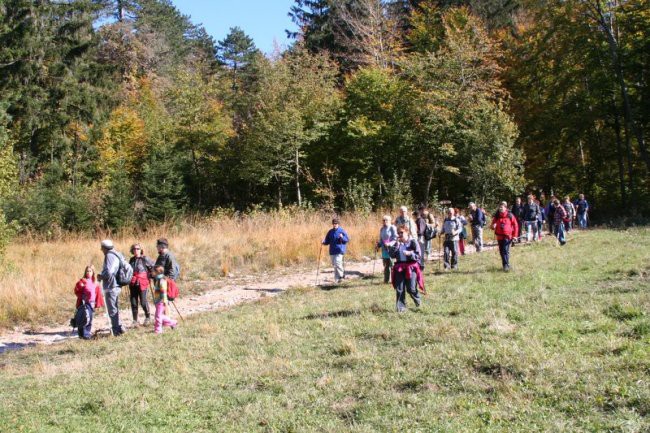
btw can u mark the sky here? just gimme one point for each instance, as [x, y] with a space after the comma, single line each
[263, 20]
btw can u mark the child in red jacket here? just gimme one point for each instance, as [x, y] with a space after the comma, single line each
[505, 228]
[89, 297]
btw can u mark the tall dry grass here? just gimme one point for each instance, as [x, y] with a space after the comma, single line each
[38, 277]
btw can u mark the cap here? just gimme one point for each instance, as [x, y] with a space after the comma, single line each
[162, 242]
[108, 244]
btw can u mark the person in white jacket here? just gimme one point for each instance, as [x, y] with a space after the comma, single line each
[451, 229]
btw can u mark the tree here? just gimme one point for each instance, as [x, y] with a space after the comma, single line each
[236, 51]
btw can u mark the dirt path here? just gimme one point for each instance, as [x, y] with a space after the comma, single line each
[236, 291]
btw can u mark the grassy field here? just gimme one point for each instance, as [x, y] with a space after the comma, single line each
[562, 343]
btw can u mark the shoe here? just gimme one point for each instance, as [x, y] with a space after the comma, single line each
[135, 324]
[147, 321]
[418, 304]
[506, 268]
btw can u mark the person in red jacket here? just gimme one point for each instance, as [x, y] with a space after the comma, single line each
[89, 298]
[505, 228]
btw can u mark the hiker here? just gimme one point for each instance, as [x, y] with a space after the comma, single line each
[421, 226]
[160, 300]
[531, 213]
[139, 285]
[407, 275]
[112, 289]
[337, 240]
[404, 220]
[582, 210]
[540, 219]
[387, 238]
[518, 211]
[89, 298]
[463, 232]
[451, 228]
[550, 215]
[504, 225]
[432, 231]
[477, 220]
[571, 213]
[559, 218]
[167, 260]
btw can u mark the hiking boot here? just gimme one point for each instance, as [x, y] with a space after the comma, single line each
[147, 321]
[506, 268]
[135, 324]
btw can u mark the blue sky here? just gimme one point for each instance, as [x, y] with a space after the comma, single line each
[263, 20]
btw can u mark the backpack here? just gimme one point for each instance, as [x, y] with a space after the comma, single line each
[172, 289]
[430, 232]
[481, 220]
[124, 271]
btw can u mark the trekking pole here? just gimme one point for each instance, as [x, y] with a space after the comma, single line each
[176, 308]
[374, 263]
[110, 326]
[320, 252]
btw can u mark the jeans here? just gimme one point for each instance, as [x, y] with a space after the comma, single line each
[423, 245]
[582, 220]
[112, 296]
[161, 319]
[560, 233]
[532, 232]
[477, 238]
[402, 285]
[138, 296]
[451, 254]
[84, 321]
[504, 250]
[337, 262]
[388, 268]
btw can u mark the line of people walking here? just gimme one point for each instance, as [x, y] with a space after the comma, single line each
[142, 275]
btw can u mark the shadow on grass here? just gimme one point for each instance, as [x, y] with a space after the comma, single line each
[332, 314]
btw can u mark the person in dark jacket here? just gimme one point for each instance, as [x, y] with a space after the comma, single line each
[560, 217]
[531, 214]
[167, 260]
[477, 220]
[518, 211]
[421, 225]
[550, 215]
[407, 275]
[337, 239]
[504, 225]
[582, 210]
[142, 266]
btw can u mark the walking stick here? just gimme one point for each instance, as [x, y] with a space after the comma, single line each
[374, 263]
[110, 325]
[320, 252]
[176, 308]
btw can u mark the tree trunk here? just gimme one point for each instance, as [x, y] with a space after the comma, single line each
[298, 178]
[619, 154]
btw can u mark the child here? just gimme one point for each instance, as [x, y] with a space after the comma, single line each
[160, 301]
[89, 297]
[337, 239]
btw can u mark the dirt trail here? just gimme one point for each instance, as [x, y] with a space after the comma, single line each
[235, 291]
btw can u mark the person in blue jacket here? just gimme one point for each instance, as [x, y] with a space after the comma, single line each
[337, 240]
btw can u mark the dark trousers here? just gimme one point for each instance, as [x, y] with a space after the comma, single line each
[451, 254]
[388, 268]
[504, 250]
[137, 295]
[403, 285]
[84, 321]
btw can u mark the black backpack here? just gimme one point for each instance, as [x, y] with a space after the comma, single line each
[430, 232]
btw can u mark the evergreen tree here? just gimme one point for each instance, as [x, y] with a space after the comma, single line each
[236, 51]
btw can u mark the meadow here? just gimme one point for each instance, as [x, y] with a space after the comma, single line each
[561, 343]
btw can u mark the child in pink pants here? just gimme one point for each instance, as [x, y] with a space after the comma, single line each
[160, 301]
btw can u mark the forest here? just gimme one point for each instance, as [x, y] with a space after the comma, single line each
[124, 113]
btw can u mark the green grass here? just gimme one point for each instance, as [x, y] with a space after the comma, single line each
[559, 344]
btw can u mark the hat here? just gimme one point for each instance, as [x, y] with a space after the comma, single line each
[108, 244]
[336, 220]
[162, 242]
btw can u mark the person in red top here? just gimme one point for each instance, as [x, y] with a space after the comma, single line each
[89, 297]
[505, 228]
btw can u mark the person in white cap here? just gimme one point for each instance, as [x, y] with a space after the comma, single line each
[111, 288]
[404, 220]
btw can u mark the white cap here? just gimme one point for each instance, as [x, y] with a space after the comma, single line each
[108, 244]
[403, 208]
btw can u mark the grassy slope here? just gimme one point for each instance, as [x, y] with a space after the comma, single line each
[560, 344]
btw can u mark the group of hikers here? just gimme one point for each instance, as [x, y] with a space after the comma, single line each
[141, 274]
[406, 243]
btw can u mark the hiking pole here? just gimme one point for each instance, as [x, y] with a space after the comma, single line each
[320, 252]
[176, 308]
[374, 263]
[110, 325]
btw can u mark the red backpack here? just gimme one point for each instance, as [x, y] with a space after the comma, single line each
[172, 289]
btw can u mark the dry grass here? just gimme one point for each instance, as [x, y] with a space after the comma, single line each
[37, 284]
